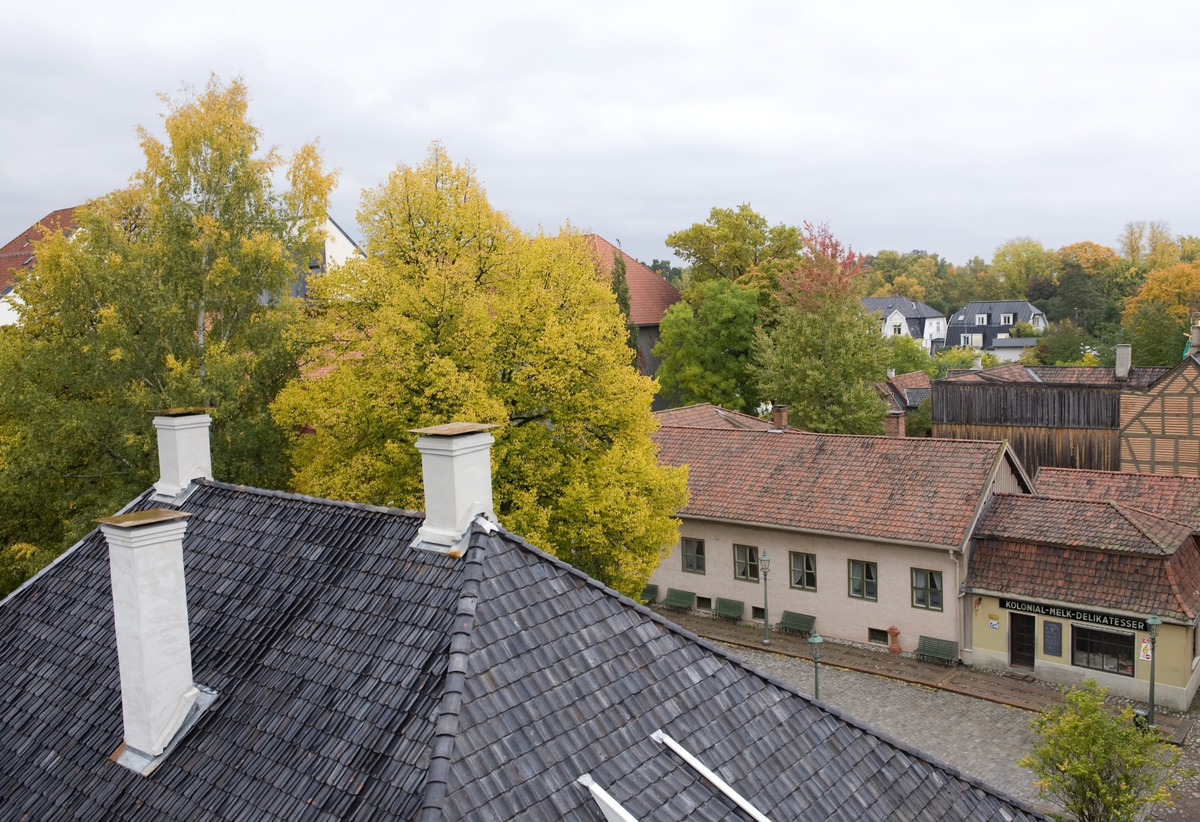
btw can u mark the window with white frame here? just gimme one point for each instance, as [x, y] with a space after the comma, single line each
[981, 319]
[1006, 319]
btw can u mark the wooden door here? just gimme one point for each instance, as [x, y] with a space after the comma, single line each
[1022, 640]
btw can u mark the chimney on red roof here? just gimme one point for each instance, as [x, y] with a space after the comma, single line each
[1124, 359]
[891, 373]
[893, 425]
[779, 416]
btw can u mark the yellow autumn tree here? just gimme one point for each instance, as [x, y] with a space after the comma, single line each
[456, 314]
[1156, 320]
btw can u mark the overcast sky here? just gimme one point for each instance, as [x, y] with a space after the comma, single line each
[948, 127]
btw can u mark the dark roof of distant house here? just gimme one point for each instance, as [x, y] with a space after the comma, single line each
[1074, 523]
[910, 489]
[1086, 553]
[907, 308]
[709, 416]
[17, 253]
[361, 678]
[649, 294]
[1174, 497]
[912, 387]
[1014, 342]
[1022, 311]
[1139, 377]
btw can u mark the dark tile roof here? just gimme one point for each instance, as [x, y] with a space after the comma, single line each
[912, 387]
[360, 679]
[1174, 497]
[1102, 526]
[1168, 585]
[915, 489]
[1139, 377]
[17, 253]
[709, 416]
[649, 294]
[907, 308]
[1021, 309]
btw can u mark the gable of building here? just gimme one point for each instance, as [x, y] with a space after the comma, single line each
[649, 294]
[17, 254]
[1158, 429]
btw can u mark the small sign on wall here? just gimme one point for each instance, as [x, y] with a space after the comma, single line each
[1145, 653]
[994, 624]
[1051, 638]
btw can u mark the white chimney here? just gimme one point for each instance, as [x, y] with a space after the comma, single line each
[154, 650]
[183, 450]
[456, 464]
[1124, 360]
[891, 372]
[1194, 348]
[978, 364]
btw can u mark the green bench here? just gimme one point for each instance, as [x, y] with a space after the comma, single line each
[800, 623]
[731, 608]
[941, 649]
[679, 599]
[650, 593]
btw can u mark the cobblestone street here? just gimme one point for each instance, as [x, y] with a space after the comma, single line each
[979, 738]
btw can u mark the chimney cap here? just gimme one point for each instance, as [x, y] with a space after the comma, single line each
[454, 429]
[136, 518]
[183, 412]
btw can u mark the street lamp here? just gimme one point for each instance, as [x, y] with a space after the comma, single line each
[814, 642]
[765, 563]
[1153, 622]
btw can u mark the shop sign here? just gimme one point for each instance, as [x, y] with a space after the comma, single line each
[1145, 651]
[1075, 615]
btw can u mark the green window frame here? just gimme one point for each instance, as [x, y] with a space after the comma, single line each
[803, 568]
[927, 589]
[863, 580]
[693, 555]
[745, 563]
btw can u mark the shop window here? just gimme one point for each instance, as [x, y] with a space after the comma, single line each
[926, 589]
[745, 563]
[1102, 650]
[693, 555]
[877, 635]
[864, 580]
[804, 571]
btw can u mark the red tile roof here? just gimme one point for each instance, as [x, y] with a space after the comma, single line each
[709, 416]
[17, 253]
[912, 489]
[1072, 523]
[1168, 585]
[1174, 497]
[649, 294]
[1139, 377]
[913, 379]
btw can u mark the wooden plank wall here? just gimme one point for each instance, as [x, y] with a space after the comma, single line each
[1092, 448]
[1027, 404]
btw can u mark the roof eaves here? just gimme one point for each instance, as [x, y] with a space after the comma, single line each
[796, 529]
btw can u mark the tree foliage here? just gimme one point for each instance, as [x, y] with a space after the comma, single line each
[706, 346]
[734, 242]
[1097, 765]
[1157, 319]
[458, 315]
[961, 357]
[153, 302]
[620, 289]
[824, 353]
[908, 355]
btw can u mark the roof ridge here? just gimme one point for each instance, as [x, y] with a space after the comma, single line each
[1126, 510]
[437, 774]
[360, 506]
[663, 622]
[1176, 593]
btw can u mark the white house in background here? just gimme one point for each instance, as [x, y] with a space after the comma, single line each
[339, 247]
[17, 255]
[902, 316]
[986, 325]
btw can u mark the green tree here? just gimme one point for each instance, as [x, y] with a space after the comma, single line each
[824, 353]
[1096, 764]
[920, 422]
[961, 357]
[620, 288]
[153, 302]
[707, 344]
[733, 243]
[1023, 329]
[1155, 333]
[456, 314]
[1065, 344]
[908, 355]
[1016, 261]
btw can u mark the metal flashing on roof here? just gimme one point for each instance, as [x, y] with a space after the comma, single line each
[611, 808]
[144, 763]
[717, 782]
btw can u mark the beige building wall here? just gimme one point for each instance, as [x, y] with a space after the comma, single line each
[1176, 674]
[838, 615]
